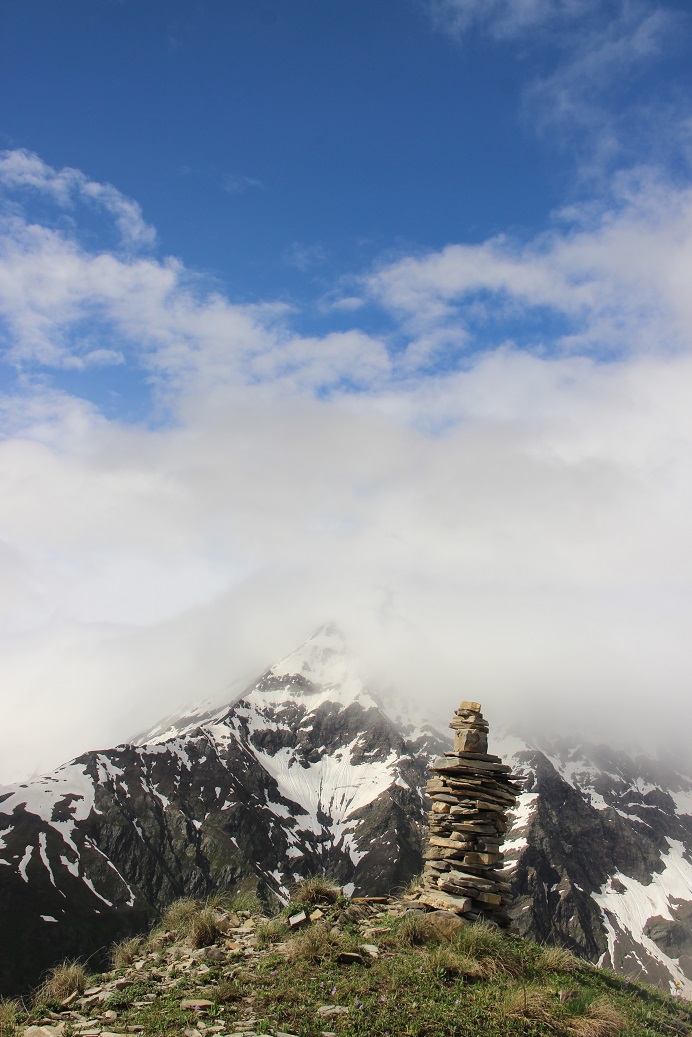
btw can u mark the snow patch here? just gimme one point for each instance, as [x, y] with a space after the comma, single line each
[42, 849]
[69, 789]
[334, 786]
[683, 801]
[519, 819]
[72, 866]
[87, 882]
[24, 863]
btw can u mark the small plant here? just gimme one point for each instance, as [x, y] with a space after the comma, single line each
[273, 931]
[122, 998]
[445, 963]
[409, 888]
[189, 920]
[63, 980]
[218, 898]
[315, 890]
[227, 991]
[125, 952]
[9, 1013]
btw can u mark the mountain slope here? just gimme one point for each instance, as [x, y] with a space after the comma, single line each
[600, 855]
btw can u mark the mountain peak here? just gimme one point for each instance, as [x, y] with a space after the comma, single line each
[323, 664]
[323, 658]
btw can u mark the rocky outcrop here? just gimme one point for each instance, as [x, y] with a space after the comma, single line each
[471, 791]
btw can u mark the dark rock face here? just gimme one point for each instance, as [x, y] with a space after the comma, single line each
[598, 849]
[673, 938]
[306, 774]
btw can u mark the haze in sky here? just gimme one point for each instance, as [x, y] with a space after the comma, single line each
[333, 309]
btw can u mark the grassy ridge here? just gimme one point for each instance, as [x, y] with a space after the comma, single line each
[358, 969]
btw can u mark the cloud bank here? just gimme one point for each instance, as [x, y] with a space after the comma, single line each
[491, 496]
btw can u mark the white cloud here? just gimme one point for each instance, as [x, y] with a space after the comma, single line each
[235, 184]
[583, 94]
[618, 277]
[342, 303]
[305, 257]
[514, 526]
[591, 54]
[536, 554]
[507, 18]
[23, 170]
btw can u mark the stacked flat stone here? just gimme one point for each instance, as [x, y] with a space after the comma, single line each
[470, 792]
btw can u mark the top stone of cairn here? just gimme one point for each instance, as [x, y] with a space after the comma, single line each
[470, 729]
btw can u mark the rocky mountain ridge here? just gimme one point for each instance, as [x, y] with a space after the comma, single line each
[306, 773]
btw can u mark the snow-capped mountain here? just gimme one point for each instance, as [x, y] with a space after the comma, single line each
[306, 772]
[303, 774]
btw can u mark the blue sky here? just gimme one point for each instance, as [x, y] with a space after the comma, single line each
[313, 309]
[253, 133]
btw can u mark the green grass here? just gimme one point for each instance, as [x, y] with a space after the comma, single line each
[480, 983]
[9, 1015]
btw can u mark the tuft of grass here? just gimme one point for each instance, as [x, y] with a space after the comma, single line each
[446, 964]
[68, 978]
[241, 900]
[554, 959]
[202, 929]
[315, 890]
[179, 914]
[9, 1015]
[491, 947]
[408, 888]
[274, 931]
[227, 991]
[601, 1019]
[218, 899]
[192, 921]
[529, 1003]
[317, 943]
[125, 952]
[415, 930]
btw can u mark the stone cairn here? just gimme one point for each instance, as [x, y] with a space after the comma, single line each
[470, 792]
